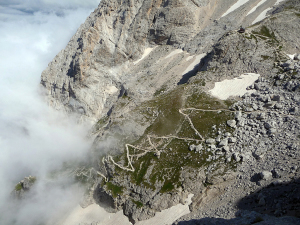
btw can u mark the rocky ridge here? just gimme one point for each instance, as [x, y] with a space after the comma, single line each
[96, 67]
[178, 139]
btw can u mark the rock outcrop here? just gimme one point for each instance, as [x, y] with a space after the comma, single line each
[142, 69]
[23, 187]
[96, 67]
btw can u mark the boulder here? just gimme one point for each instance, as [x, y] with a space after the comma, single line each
[223, 143]
[238, 115]
[231, 123]
[198, 148]
[269, 125]
[236, 157]
[265, 175]
[210, 141]
[231, 140]
[192, 147]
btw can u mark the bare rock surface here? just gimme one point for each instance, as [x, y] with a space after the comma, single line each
[144, 71]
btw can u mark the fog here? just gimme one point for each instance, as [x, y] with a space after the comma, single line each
[34, 139]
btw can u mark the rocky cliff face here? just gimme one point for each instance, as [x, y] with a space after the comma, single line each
[90, 74]
[143, 70]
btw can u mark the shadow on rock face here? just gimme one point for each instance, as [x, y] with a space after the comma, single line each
[277, 199]
[245, 217]
[185, 78]
[277, 203]
[104, 200]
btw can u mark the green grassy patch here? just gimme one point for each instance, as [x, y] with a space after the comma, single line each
[103, 121]
[142, 166]
[201, 100]
[265, 34]
[18, 187]
[138, 203]
[251, 36]
[161, 90]
[164, 172]
[168, 186]
[115, 189]
[205, 120]
[168, 106]
[265, 57]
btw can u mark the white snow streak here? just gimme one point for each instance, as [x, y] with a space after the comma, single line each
[175, 52]
[235, 6]
[168, 216]
[278, 1]
[261, 16]
[146, 52]
[259, 4]
[194, 63]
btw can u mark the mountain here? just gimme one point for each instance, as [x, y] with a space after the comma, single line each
[184, 102]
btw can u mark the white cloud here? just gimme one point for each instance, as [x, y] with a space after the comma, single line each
[48, 5]
[34, 139]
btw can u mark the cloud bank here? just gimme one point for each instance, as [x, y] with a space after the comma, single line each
[34, 139]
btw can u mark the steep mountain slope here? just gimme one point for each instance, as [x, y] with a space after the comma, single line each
[144, 70]
[89, 74]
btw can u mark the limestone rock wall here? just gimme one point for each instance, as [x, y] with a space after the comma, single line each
[88, 75]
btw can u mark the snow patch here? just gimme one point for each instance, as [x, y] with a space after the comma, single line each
[95, 213]
[278, 1]
[175, 52]
[234, 87]
[291, 56]
[146, 52]
[259, 4]
[262, 16]
[168, 216]
[189, 57]
[235, 6]
[194, 63]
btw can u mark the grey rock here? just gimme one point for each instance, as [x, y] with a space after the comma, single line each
[218, 139]
[278, 106]
[259, 154]
[270, 105]
[275, 173]
[210, 141]
[262, 201]
[236, 156]
[226, 148]
[231, 123]
[266, 175]
[227, 134]
[198, 148]
[241, 122]
[212, 147]
[231, 140]
[228, 159]
[281, 76]
[223, 143]
[23, 187]
[272, 131]
[192, 147]
[238, 115]
[269, 125]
